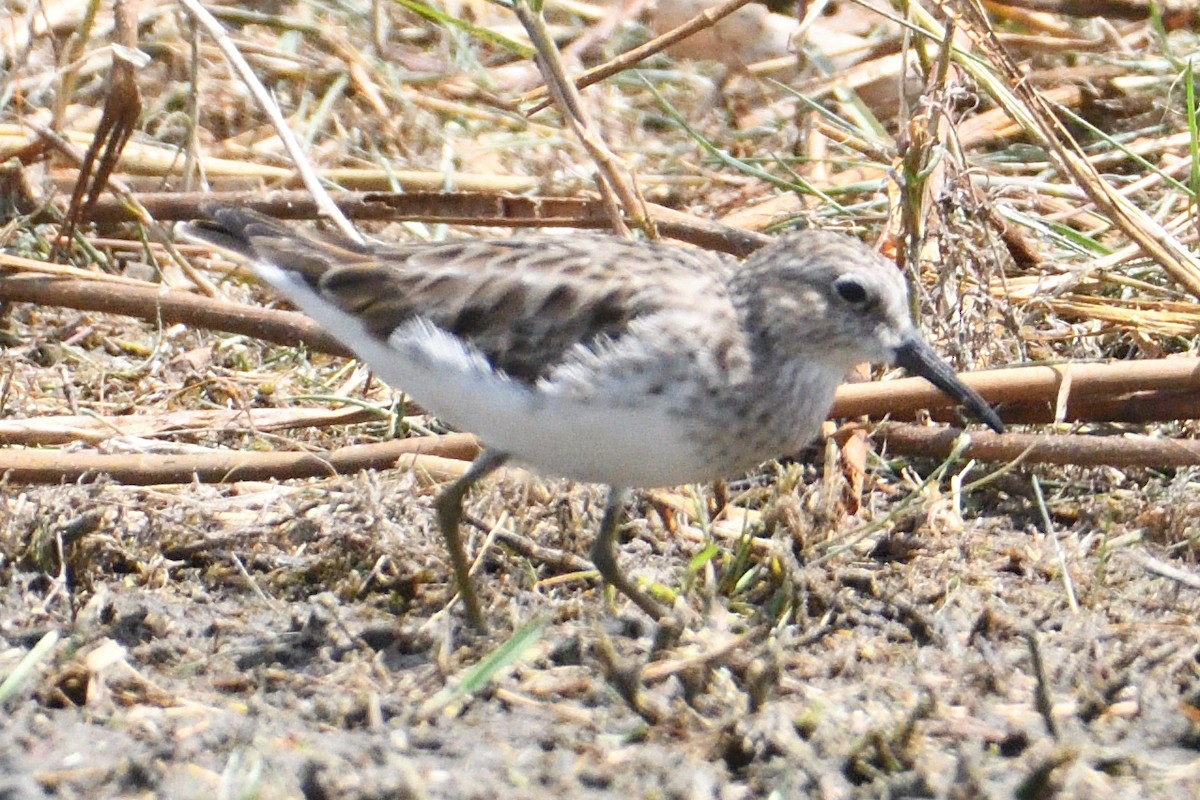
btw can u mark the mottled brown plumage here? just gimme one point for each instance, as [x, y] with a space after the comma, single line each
[522, 302]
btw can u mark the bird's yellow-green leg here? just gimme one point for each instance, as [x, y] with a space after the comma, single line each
[449, 514]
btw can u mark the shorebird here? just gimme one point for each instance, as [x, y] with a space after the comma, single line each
[604, 360]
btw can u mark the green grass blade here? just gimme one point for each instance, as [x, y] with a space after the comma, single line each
[482, 34]
[479, 676]
[1189, 79]
[800, 186]
[34, 657]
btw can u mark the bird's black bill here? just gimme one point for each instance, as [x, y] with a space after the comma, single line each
[919, 359]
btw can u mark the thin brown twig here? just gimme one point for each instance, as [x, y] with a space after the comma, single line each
[153, 305]
[450, 208]
[1165, 570]
[1030, 384]
[616, 180]
[63, 429]
[1181, 11]
[705, 19]
[122, 106]
[55, 466]
[1082, 450]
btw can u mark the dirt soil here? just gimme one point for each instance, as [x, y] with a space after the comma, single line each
[283, 641]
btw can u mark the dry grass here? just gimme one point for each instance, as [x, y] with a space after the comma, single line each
[865, 627]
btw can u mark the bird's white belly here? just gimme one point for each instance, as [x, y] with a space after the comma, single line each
[618, 440]
[613, 444]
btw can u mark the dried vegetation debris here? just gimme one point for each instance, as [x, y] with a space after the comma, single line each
[284, 638]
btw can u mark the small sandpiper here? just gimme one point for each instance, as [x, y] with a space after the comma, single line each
[632, 364]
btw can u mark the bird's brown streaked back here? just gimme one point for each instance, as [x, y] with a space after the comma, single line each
[523, 303]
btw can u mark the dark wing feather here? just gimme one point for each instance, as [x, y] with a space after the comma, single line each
[522, 302]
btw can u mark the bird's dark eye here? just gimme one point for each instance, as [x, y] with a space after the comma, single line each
[851, 290]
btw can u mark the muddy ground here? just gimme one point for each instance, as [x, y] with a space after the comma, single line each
[291, 641]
